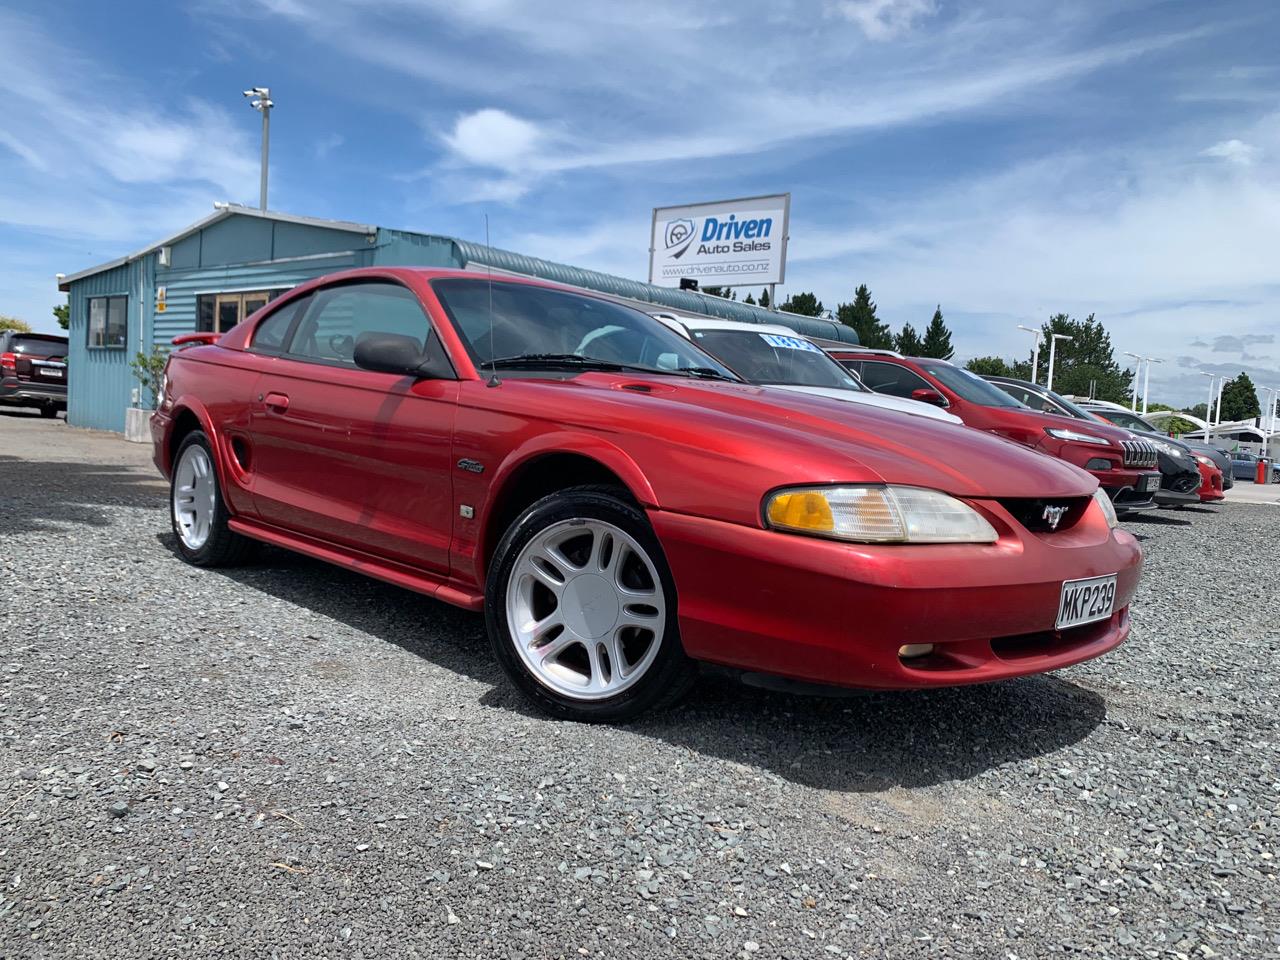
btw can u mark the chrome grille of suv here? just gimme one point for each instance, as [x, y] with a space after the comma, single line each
[1139, 453]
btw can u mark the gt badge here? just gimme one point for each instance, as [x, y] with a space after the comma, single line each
[471, 466]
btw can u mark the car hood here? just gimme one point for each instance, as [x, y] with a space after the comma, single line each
[683, 430]
[884, 401]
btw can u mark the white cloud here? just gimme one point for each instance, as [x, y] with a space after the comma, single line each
[1233, 151]
[494, 138]
[884, 19]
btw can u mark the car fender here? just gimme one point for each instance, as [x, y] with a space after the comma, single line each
[578, 443]
[190, 404]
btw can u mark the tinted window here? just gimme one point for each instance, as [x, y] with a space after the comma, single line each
[890, 378]
[1129, 421]
[338, 316]
[969, 386]
[38, 346]
[270, 333]
[503, 320]
[1044, 402]
[774, 358]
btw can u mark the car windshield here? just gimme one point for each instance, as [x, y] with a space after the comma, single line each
[1130, 421]
[773, 358]
[509, 325]
[970, 386]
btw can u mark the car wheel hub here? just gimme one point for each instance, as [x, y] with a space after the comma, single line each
[585, 609]
[194, 495]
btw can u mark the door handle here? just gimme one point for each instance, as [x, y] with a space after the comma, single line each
[277, 401]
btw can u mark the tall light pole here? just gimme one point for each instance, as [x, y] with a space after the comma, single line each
[1208, 407]
[1217, 417]
[1053, 347]
[1137, 372]
[1146, 381]
[262, 103]
[1035, 353]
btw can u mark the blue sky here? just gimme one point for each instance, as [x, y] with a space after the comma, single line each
[1005, 159]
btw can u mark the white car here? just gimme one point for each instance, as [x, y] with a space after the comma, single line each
[771, 355]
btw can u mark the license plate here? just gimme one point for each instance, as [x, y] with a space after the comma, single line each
[1151, 483]
[51, 371]
[1084, 601]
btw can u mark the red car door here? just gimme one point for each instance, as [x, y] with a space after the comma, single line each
[348, 455]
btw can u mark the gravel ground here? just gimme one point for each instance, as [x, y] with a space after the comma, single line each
[287, 760]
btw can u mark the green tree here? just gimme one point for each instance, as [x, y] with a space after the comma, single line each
[1240, 399]
[749, 299]
[764, 298]
[1200, 411]
[999, 367]
[1085, 364]
[726, 293]
[148, 368]
[908, 342]
[805, 304]
[13, 323]
[62, 313]
[937, 338]
[861, 315]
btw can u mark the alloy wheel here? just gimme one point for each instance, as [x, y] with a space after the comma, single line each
[585, 609]
[195, 490]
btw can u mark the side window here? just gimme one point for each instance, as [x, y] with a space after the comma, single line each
[270, 333]
[892, 379]
[339, 316]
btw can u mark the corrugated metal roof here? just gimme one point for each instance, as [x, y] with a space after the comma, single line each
[685, 300]
[221, 212]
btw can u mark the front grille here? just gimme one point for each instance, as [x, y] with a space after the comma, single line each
[1031, 513]
[1182, 483]
[1139, 453]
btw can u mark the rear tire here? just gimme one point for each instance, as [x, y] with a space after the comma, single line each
[197, 511]
[580, 607]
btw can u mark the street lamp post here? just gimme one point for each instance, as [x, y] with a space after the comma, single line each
[1035, 353]
[262, 103]
[1217, 417]
[1146, 382]
[1053, 347]
[1137, 372]
[1208, 407]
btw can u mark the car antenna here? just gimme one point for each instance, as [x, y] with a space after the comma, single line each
[493, 380]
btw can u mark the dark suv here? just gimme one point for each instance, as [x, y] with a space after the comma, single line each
[33, 371]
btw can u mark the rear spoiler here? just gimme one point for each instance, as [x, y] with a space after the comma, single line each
[203, 337]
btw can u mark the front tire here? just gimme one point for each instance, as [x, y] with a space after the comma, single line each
[196, 508]
[581, 609]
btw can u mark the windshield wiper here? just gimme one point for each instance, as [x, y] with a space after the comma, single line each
[702, 373]
[553, 360]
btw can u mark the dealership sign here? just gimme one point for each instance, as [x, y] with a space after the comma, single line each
[726, 243]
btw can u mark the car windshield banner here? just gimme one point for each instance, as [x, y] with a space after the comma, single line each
[724, 243]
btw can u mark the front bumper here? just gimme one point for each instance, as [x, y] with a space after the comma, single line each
[837, 613]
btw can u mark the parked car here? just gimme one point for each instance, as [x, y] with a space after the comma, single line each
[771, 355]
[1244, 466]
[1125, 467]
[33, 371]
[1130, 420]
[621, 505]
[1180, 478]
[1210, 480]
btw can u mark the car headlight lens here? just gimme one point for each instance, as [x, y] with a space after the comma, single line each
[877, 514]
[1205, 460]
[1169, 448]
[1066, 433]
[1106, 506]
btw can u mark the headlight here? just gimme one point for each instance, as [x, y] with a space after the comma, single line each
[1066, 433]
[1205, 460]
[1169, 448]
[877, 514]
[1105, 505]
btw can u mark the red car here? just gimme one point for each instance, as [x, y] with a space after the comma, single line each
[1210, 480]
[1125, 465]
[619, 504]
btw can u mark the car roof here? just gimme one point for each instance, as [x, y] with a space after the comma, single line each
[707, 323]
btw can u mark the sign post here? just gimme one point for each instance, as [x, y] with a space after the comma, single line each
[727, 243]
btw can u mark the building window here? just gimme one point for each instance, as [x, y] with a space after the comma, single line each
[219, 312]
[108, 322]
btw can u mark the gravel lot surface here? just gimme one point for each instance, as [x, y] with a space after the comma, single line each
[287, 760]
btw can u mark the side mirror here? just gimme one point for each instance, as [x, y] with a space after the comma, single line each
[390, 353]
[925, 395]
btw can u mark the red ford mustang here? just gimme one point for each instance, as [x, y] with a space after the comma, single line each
[620, 505]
